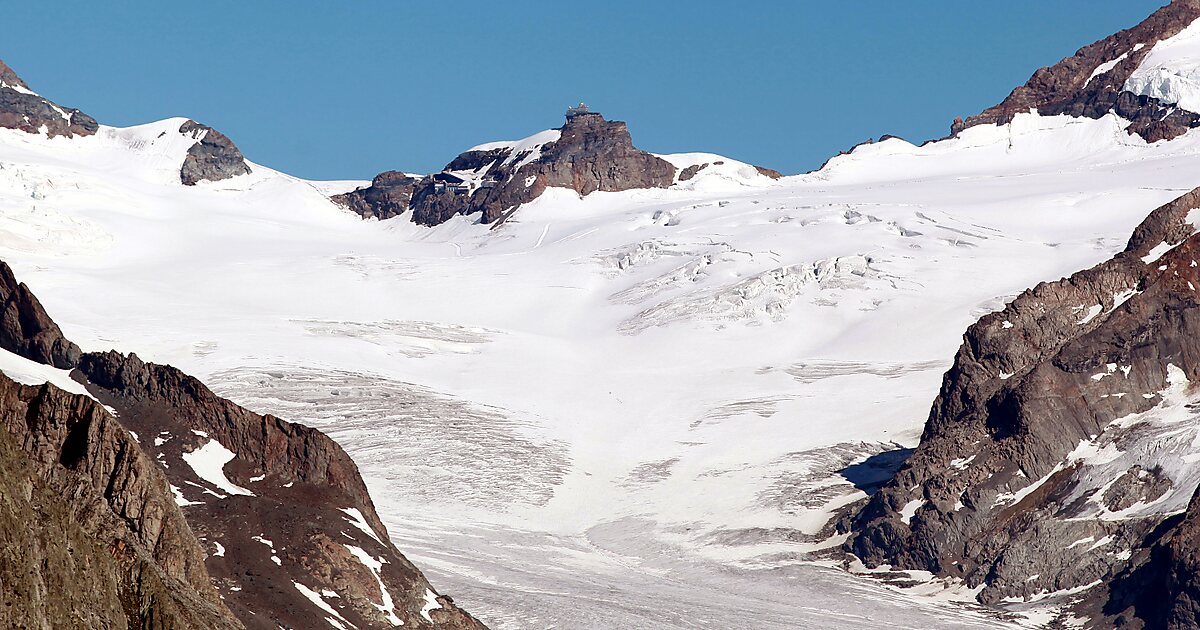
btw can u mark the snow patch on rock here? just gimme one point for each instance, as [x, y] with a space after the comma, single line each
[388, 607]
[208, 462]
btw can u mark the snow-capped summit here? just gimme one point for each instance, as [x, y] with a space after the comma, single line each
[1147, 74]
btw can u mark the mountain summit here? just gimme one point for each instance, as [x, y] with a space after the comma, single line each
[586, 154]
[1148, 75]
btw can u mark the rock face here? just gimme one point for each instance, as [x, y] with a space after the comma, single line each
[27, 330]
[90, 536]
[388, 195]
[1091, 83]
[182, 510]
[587, 154]
[1161, 589]
[21, 108]
[1057, 452]
[213, 158]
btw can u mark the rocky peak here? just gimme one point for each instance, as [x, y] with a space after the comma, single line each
[1108, 76]
[212, 158]
[23, 109]
[587, 154]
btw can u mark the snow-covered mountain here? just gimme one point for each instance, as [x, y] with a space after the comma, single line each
[642, 405]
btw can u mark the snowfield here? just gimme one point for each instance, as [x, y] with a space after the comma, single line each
[634, 409]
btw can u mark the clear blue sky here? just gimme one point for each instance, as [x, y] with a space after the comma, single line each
[345, 89]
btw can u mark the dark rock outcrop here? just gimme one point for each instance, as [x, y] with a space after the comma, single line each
[591, 154]
[22, 109]
[388, 195]
[993, 494]
[213, 158]
[1068, 87]
[27, 330]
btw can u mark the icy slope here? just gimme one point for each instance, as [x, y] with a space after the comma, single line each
[639, 388]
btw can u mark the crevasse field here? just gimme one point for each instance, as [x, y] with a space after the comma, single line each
[632, 410]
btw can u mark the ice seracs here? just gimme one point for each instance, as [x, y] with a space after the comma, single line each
[1170, 72]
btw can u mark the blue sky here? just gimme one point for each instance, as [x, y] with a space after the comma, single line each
[331, 90]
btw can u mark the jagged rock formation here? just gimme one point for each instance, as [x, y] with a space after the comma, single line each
[586, 154]
[26, 329]
[21, 108]
[212, 158]
[388, 195]
[1054, 457]
[182, 510]
[1092, 82]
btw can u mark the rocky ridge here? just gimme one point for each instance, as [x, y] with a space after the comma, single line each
[186, 510]
[1092, 82]
[1057, 451]
[25, 110]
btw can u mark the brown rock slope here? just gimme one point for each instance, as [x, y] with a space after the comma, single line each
[1069, 88]
[90, 536]
[1033, 476]
[205, 516]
